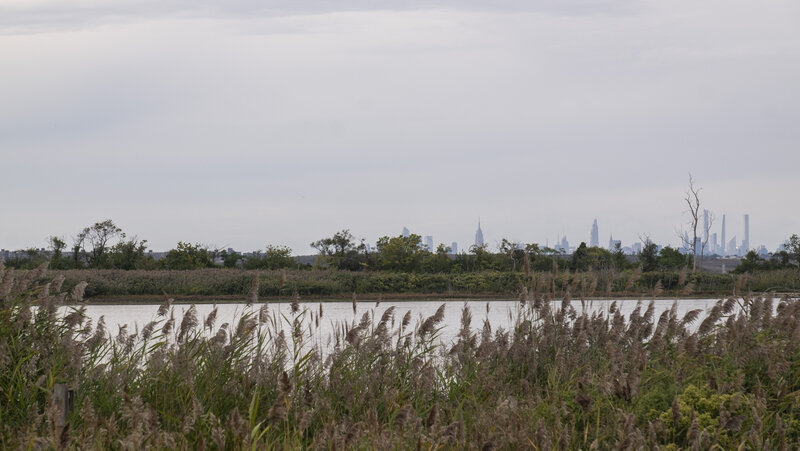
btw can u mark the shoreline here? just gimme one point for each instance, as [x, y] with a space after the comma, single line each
[374, 297]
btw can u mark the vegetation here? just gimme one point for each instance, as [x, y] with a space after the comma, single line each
[559, 378]
[234, 284]
[400, 265]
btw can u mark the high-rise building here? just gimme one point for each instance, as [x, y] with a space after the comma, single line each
[613, 244]
[454, 248]
[594, 239]
[746, 242]
[563, 245]
[479, 235]
[722, 238]
[429, 243]
[406, 232]
[732, 247]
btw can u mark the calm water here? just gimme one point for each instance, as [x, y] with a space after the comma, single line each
[500, 313]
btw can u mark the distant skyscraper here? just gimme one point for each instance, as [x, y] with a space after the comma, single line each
[616, 244]
[746, 242]
[454, 248]
[406, 232]
[722, 238]
[612, 243]
[594, 239]
[564, 245]
[479, 235]
[732, 247]
[429, 243]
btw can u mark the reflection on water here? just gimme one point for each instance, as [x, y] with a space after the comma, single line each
[499, 313]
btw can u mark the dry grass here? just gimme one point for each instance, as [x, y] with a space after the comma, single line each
[559, 378]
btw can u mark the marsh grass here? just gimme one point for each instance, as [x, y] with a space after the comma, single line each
[281, 284]
[559, 377]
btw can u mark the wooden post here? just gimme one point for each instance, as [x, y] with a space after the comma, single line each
[64, 400]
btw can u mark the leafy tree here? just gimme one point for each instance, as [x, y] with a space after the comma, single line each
[274, 257]
[188, 256]
[57, 246]
[94, 241]
[671, 259]
[480, 259]
[618, 258]
[230, 259]
[750, 263]
[128, 254]
[512, 252]
[648, 257]
[580, 258]
[784, 258]
[400, 253]
[793, 247]
[278, 257]
[341, 251]
[26, 259]
[439, 262]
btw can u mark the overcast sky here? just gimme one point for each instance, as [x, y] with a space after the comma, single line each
[240, 125]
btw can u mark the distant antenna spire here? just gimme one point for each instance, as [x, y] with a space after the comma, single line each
[479, 234]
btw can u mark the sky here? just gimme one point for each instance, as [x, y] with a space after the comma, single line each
[246, 123]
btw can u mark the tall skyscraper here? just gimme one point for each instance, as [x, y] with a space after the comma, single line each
[722, 238]
[429, 243]
[564, 245]
[479, 235]
[732, 247]
[613, 244]
[594, 239]
[406, 232]
[746, 242]
[454, 248]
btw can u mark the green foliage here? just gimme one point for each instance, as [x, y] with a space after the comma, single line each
[188, 256]
[671, 259]
[648, 257]
[128, 255]
[401, 253]
[595, 258]
[793, 247]
[27, 259]
[94, 241]
[341, 251]
[274, 257]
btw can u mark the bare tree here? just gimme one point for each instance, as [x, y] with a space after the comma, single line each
[708, 220]
[693, 202]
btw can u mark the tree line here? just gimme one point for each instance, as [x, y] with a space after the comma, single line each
[104, 245]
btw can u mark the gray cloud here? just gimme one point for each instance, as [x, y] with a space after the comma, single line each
[43, 16]
[242, 126]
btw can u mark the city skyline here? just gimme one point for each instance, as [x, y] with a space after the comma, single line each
[707, 241]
